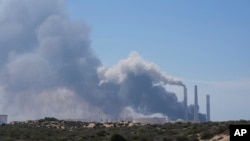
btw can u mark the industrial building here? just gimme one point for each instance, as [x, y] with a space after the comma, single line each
[3, 119]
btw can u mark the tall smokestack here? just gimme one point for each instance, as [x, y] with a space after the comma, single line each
[185, 104]
[208, 108]
[196, 108]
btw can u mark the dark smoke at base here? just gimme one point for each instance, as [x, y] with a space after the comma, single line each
[201, 117]
[47, 68]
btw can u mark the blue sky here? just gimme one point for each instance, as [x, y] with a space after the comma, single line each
[204, 43]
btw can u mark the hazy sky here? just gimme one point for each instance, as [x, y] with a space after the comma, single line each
[204, 43]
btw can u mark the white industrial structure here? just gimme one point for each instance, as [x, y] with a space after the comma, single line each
[150, 120]
[3, 119]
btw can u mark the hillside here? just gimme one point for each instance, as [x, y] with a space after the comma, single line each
[51, 129]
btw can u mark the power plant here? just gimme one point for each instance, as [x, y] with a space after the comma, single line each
[196, 115]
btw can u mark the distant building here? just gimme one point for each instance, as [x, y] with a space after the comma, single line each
[3, 119]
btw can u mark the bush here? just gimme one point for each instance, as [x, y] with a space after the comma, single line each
[181, 138]
[167, 139]
[144, 139]
[117, 137]
[193, 137]
[50, 119]
[101, 133]
[206, 135]
[47, 119]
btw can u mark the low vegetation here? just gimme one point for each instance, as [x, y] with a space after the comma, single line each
[51, 129]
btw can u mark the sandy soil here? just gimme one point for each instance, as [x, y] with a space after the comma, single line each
[221, 137]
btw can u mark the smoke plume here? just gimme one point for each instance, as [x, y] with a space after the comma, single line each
[47, 68]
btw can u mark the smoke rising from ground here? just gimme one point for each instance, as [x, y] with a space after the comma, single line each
[47, 68]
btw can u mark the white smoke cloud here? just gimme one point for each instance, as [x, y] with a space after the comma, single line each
[136, 65]
[129, 113]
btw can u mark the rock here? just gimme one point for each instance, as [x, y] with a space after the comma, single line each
[130, 124]
[91, 125]
[108, 125]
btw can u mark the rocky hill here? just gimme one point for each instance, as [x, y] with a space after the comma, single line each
[51, 129]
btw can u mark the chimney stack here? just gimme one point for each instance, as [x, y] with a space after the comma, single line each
[208, 108]
[196, 107]
[185, 104]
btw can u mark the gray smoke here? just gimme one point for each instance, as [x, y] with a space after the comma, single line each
[140, 84]
[47, 68]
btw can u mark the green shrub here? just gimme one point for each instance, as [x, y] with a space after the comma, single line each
[50, 119]
[206, 135]
[47, 119]
[181, 138]
[193, 137]
[101, 133]
[167, 139]
[143, 139]
[117, 137]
